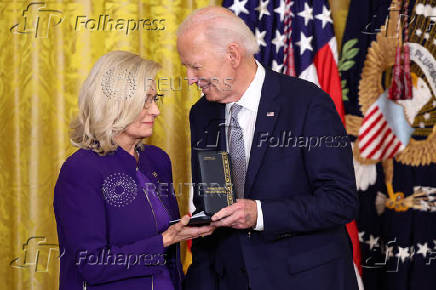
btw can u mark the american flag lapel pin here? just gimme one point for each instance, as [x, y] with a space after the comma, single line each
[270, 114]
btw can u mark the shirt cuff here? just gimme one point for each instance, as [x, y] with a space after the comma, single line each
[259, 222]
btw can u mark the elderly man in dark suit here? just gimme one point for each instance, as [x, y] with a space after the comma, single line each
[291, 165]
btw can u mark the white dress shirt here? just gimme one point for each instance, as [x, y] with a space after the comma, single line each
[247, 121]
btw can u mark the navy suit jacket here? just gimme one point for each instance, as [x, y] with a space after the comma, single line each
[301, 170]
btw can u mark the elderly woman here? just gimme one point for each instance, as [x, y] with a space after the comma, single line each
[112, 201]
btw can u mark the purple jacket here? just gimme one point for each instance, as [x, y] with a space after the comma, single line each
[106, 227]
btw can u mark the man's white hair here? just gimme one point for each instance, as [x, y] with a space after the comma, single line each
[220, 27]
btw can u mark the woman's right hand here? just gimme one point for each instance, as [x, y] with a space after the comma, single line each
[180, 232]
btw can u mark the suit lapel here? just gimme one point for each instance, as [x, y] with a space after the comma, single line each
[212, 136]
[267, 115]
[222, 140]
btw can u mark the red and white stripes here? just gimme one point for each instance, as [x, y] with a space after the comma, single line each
[377, 141]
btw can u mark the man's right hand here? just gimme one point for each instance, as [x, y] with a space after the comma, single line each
[181, 232]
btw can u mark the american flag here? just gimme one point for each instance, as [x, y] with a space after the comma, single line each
[384, 131]
[266, 19]
[296, 37]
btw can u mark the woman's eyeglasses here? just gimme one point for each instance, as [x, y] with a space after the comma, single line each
[157, 99]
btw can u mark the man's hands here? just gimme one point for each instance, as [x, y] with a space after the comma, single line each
[180, 232]
[240, 215]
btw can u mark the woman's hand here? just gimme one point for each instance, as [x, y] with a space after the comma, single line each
[180, 232]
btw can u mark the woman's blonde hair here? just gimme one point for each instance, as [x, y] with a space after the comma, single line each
[110, 99]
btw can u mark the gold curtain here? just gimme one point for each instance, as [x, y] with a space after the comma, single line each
[47, 50]
[43, 63]
[339, 9]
